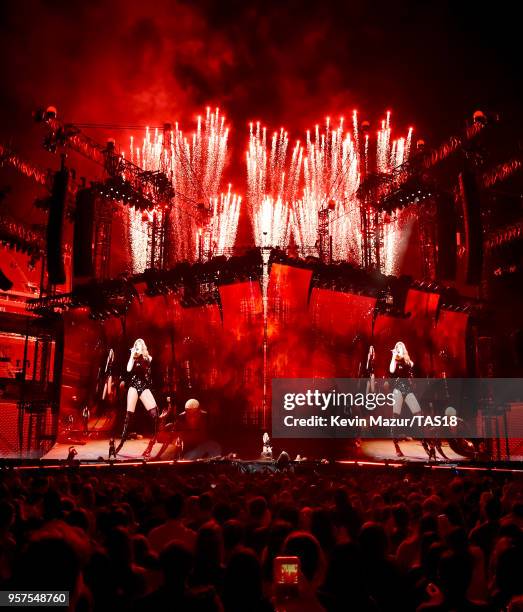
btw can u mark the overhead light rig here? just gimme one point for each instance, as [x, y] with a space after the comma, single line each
[142, 189]
[376, 188]
[8, 157]
[21, 238]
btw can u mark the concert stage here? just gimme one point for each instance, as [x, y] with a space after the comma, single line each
[368, 272]
[93, 450]
[97, 448]
[370, 451]
[413, 451]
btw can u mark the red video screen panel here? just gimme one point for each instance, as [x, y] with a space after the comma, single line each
[450, 337]
[241, 369]
[421, 308]
[342, 330]
[288, 322]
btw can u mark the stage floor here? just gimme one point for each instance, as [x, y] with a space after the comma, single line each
[372, 450]
[92, 450]
[383, 450]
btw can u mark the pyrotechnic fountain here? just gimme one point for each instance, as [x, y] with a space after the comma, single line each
[307, 193]
[203, 220]
[315, 190]
[312, 194]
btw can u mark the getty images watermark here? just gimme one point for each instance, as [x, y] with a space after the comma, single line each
[349, 402]
[389, 408]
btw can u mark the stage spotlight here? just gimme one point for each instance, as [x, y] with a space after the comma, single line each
[480, 117]
[420, 144]
[365, 126]
[5, 283]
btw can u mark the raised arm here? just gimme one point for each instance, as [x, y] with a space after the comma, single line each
[392, 366]
[130, 363]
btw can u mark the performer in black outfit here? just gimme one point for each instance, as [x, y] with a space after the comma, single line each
[369, 371]
[266, 447]
[139, 366]
[85, 418]
[112, 449]
[402, 367]
[108, 386]
[71, 454]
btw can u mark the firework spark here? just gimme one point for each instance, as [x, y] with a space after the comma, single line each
[224, 222]
[138, 227]
[324, 174]
[272, 184]
[194, 164]
[396, 234]
[288, 186]
[271, 223]
[331, 171]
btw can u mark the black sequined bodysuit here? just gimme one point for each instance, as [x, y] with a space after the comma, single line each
[141, 374]
[403, 374]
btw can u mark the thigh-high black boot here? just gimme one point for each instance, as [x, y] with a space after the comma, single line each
[156, 422]
[439, 448]
[430, 448]
[125, 432]
[399, 452]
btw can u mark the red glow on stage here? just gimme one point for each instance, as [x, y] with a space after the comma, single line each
[288, 321]
[450, 342]
[343, 325]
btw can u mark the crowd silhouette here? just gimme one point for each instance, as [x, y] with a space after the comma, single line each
[367, 539]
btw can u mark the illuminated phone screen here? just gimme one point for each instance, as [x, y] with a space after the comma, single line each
[289, 573]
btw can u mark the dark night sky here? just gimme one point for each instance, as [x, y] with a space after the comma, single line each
[286, 63]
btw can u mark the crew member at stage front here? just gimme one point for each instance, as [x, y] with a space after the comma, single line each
[139, 367]
[85, 418]
[402, 367]
[108, 386]
[369, 371]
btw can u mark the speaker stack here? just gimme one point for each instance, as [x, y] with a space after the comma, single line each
[55, 228]
[83, 249]
[446, 238]
[469, 196]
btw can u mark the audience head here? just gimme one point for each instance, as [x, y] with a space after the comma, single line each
[242, 587]
[306, 547]
[93, 525]
[174, 506]
[176, 562]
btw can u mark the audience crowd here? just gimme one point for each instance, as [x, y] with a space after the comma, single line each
[367, 539]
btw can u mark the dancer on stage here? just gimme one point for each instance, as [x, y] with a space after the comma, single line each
[108, 386]
[112, 449]
[402, 367]
[85, 418]
[139, 367]
[369, 371]
[267, 447]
